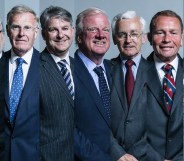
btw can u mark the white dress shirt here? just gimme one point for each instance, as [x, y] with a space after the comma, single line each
[58, 59]
[159, 64]
[25, 66]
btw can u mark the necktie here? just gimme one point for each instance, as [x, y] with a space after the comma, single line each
[104, 91]
[169, 86]
[129, 80]
[16, 89]
[67, 77]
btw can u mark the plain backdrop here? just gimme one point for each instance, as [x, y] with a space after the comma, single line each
[144, 8]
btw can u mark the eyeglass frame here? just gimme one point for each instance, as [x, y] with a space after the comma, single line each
[133, 35]
[17, 28]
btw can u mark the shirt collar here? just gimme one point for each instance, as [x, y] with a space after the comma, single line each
[136, 59]
[27, 56]
[159, 64]
[90, 65]
[58, 59]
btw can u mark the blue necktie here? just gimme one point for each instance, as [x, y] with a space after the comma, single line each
[16, 89]
[67, 77]
[104, 91]
[169, 86]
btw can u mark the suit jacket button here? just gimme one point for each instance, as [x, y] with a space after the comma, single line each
[169, 140]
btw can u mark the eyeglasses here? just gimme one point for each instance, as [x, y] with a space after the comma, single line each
[124, 35]
[17, 28]
[95, 29]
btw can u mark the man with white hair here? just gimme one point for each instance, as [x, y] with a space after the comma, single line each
[129, 96]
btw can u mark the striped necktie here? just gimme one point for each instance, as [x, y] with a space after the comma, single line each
[16, 89]
[169, 86]
[67, 77]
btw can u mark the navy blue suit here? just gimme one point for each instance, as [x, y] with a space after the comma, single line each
[92, 133]
[22, 141]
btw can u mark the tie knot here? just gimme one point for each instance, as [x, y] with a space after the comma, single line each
[20, 61]
[62, 63]
[167, 68]
[98, 70]
[129, 63]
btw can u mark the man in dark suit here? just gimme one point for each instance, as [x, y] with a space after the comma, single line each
[92, 114]
[21, 89]
[1, 38]
[165, 114]
[56, 95]
[128, 113]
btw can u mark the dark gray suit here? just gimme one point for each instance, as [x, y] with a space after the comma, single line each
[56, 113]
[128, 125]
[165, 130]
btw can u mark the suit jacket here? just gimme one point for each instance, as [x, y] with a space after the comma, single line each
[165, 130]
[92, 133]
[2, 81]
[56, 113]
[128, 123]
[22, 140]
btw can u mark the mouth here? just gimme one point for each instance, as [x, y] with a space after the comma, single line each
[128, 47]
[99, 42]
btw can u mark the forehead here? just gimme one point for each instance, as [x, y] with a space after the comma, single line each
[23, 18]
[96, 20]
[167, 21]
[129, 24]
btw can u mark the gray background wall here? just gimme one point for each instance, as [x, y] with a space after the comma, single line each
[145, 8]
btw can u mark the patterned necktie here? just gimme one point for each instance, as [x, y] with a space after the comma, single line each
[16, 89]
[67, 77]
[104, 91]
[129, 81]
[169, 86]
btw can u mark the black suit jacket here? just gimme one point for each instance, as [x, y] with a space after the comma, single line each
[165, 130]
[56, 113]
[22, 140]
[128, 125]
[92, 133]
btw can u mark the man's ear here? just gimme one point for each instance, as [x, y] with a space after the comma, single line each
[149, 36]
[114, 40]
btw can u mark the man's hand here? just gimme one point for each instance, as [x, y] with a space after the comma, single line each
[127, 157]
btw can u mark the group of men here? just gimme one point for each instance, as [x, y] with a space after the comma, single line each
[57, 108]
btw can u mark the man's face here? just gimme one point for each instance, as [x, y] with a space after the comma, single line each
[58, 36]
[22, 32]
[95, 40]
[166, 38]
[1, 38]
[129, 37]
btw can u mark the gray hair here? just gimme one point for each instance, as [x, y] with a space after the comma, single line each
[127, 15]
[81, 16]
[2, 27]
[19, 10]
[57, 12]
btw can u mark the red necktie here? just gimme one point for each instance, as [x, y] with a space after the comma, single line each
[129, 80]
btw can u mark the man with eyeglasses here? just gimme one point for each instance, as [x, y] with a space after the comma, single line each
[128, 92]
[21, 89]
[92, 82]
[1, 38]
[165, 88]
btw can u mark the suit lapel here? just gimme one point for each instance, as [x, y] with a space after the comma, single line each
[50, 66]
[179, 86]
[155, 86]
[118, 83]
[139, 82]
[81, 72]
